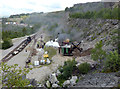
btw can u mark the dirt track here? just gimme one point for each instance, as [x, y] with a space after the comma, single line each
[40, 74]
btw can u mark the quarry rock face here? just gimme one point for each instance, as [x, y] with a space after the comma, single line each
[98, 80]
[91, 29]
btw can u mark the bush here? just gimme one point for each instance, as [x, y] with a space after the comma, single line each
[67, 69]
[13, 75]
[98, 53]
[84, 68]
[7, 43]
[112, 62]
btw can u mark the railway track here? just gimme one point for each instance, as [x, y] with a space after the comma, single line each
[31, 52]
[17, 49]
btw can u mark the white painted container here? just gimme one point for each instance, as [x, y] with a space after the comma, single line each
[36, 63]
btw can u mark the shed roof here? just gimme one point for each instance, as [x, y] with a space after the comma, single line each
[53, 44]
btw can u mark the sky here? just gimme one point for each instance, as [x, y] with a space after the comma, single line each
[11, 7]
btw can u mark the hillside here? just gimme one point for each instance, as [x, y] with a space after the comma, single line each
[94, 62]
[97, 24]
[62, 22]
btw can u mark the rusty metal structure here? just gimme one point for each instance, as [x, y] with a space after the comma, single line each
[68, 47]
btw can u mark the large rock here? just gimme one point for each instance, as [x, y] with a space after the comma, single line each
[55, 85]
[58, 72]
[48, 84]
[33, 82]
[116, 27]
[29, 85]
[73, 80]
[53, 79]
[78, 64]
[66, 83]
[40, 85]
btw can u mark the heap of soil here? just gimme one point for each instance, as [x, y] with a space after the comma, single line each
[76, 52]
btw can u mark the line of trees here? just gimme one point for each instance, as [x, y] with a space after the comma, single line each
[19, 15]
[14, 34]
[105, 13]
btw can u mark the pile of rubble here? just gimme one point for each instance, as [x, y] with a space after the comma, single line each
[53, 81]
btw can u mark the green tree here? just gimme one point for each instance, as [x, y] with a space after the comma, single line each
[66, 9]
[112, 62]
[98, 54]
[7, 43]
[13, 75]
[67, 69]
[115, 13]
[105, 13]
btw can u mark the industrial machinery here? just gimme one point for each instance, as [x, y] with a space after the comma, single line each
[69, 48]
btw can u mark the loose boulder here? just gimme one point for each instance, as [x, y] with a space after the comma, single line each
[58, 72]
[66, 83]
[48, 84]
[53, 79]
[73, 80]
[55, 85]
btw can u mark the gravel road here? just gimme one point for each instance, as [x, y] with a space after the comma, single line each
[40, 74]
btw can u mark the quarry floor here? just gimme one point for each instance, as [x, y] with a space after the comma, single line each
[42, 72]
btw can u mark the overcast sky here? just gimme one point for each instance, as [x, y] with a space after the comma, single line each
[10, 7]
